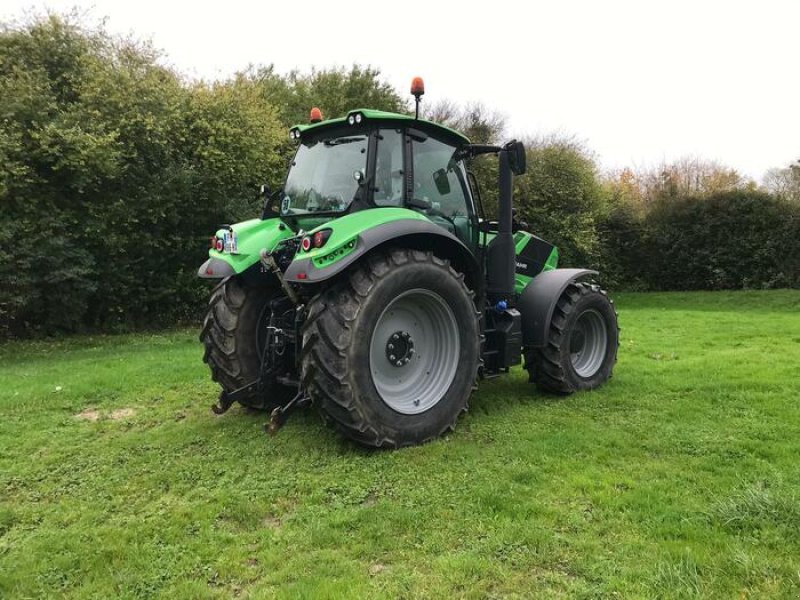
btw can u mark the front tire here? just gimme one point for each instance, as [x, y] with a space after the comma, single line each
[390, 353]
[582, 342]
[233, 333]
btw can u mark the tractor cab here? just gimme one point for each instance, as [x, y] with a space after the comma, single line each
[372, 159]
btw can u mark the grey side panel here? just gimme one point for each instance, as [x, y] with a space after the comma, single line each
[538, 301]
[368, 240]
[215, 268]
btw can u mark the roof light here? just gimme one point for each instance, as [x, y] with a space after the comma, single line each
[316, 115]
[417, 86]
[351, 119]
[358, 117]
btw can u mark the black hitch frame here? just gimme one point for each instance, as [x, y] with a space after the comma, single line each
[275, 344]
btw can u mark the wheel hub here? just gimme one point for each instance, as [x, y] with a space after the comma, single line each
[399, 348]
[424, 337]
[588, 343]
[577, 341]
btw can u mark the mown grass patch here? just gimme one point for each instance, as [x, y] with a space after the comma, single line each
[678, 479]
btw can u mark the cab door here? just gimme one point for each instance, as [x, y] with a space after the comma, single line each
[439, 178]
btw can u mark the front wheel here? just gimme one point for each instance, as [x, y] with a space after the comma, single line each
[390, 354]
[581, 346]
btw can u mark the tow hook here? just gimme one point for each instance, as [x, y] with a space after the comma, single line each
[281, 413]
[226, 400]
[222, 405]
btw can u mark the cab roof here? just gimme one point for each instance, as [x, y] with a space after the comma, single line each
[370, 115]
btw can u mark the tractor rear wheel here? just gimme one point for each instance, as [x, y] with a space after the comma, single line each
[234, 330]
[390, 353]
[582, 342]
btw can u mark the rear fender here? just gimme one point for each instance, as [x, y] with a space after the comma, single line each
[340, 253]
[538, 301]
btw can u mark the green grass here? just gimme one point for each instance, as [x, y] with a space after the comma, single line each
[679, 479]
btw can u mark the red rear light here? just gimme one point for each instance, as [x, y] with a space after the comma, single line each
[302, 275]
[321, 237]
[306, 244]
[219, 245]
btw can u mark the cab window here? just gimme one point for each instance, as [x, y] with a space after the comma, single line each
[389, 168]
[437, 178]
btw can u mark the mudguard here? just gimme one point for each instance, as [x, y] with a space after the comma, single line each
[538, 301]
[214, 268]
[416, 233]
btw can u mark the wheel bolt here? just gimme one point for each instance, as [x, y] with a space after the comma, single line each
[392, 357]
[391, 346]
[395, 337]
[411, 351]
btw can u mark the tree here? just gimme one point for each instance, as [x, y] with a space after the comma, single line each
[335, 91]
[689, 176]
[784, 183]
[115, 171]
[561, 197]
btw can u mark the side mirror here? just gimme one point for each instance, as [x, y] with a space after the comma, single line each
[516, 157]
[264, 190]
[442, 182]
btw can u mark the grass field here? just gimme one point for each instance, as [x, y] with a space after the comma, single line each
[679, 479]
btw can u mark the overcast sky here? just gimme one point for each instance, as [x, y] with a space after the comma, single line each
[640, 82]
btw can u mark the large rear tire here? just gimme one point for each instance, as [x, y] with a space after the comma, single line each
[233, 334]
[390, 353]
[582, 342]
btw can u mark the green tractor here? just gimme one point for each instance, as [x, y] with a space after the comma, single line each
[374, 287]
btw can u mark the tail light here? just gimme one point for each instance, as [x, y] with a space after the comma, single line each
[321, 237]
[318, 240]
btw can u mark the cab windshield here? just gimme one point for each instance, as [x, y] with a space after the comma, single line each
[324, 175]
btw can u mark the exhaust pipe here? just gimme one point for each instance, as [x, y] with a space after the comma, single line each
[500, 254]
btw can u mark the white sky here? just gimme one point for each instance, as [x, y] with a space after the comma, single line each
[639, 81]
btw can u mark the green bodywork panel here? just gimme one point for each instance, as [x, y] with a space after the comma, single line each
[380, 115]
[521, 239]
[255, 234]
[346, 229]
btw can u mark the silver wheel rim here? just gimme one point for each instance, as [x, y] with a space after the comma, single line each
[414, 351]
[587, 343]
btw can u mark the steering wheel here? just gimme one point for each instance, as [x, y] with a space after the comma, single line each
[333, 201]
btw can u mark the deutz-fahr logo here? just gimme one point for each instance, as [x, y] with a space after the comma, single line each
[521, 265]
